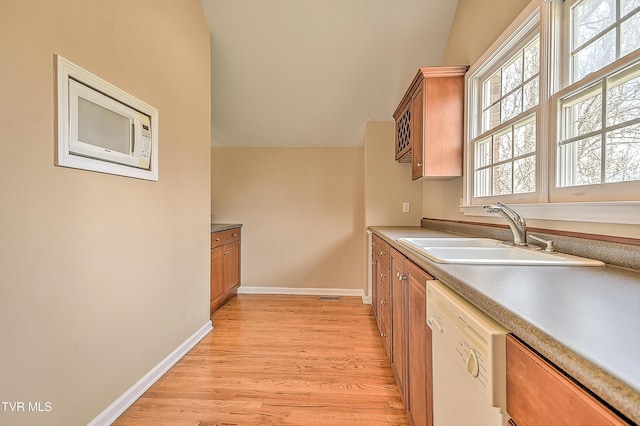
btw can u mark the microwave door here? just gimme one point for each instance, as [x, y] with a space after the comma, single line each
[103, 128]
[100, 127]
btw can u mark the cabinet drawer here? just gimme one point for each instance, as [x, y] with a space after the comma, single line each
[383, 251]
[223, 237]
[383, 278]
[538, 394]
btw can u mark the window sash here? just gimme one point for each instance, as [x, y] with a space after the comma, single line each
[566, 186]
[512, 49]
[609, 34]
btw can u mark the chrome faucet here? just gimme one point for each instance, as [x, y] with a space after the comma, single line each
[515, 221]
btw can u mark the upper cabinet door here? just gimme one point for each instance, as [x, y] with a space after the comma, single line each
[430, 123]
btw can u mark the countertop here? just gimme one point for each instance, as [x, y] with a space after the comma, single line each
[217, 227]
[582, 318]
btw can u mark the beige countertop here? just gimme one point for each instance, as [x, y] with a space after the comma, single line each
[584, 319]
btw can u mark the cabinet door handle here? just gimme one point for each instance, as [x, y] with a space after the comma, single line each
[383, 334]
[419, 165]
[382, 275]
[382, 302]
[382, 253]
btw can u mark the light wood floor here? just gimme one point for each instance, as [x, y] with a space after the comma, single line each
[279, 360]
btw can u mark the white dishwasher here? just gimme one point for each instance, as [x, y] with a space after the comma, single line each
[469, 371]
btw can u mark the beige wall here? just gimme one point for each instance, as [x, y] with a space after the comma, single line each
[476, 26]
[388, 183]
[101, 276]
[302, 211]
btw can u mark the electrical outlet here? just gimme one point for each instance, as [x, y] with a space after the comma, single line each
[405, 207]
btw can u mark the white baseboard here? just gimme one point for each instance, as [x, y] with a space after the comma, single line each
[302, 291]
[366, 300]
[117, 407]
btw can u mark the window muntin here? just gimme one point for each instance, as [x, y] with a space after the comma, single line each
[505, 152]
[513, 88]
[506, 160]
[601, 32]
[599, 140]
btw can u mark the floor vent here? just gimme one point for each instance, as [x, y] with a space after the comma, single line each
[334, 298]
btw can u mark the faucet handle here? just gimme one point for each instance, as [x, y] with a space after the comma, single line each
[549, 247]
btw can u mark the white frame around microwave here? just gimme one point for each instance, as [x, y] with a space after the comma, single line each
[67, 70]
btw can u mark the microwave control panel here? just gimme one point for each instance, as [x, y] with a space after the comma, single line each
[146, 142]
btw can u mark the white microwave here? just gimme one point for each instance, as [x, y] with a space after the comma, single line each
[102, 128]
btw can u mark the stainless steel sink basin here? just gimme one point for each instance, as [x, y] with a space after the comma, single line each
[484, 251]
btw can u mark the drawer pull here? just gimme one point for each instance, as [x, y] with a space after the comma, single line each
[217, 239]
[234, 234]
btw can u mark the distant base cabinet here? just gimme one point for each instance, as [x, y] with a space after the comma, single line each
[225, 266]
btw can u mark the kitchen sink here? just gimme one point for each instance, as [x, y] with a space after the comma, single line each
[485, 251]
[451, 242]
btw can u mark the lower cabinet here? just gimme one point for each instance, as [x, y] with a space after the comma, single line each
[384, 307]
[399, 322]
[420, 401]
[539, 394]
[400, 310]
[225, 266]
[380, 289]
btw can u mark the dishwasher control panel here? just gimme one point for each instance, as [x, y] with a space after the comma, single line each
[474, 341]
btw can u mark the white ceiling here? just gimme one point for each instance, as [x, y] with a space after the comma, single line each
[313, 72]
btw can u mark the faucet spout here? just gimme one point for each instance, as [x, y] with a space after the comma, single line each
[514, 219]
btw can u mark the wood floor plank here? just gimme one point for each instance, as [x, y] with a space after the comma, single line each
[281, 360]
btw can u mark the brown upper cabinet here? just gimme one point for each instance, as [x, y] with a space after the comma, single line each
[429, 123]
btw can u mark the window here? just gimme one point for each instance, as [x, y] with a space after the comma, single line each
[505, 131]
[505, 158]
[598, 114]
[601, 32]
[600, 125]
[554, 107]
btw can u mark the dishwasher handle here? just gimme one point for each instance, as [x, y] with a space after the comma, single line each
[435, 324]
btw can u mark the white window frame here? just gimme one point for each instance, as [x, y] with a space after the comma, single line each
[520, 37]
[602, 192]
[547, 203]
[591, 193]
